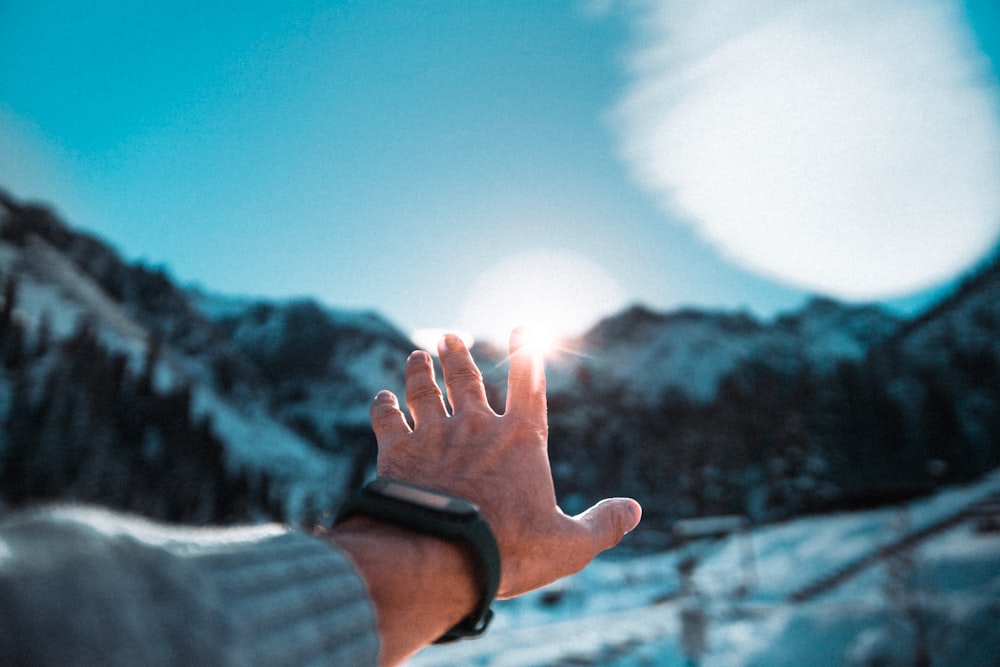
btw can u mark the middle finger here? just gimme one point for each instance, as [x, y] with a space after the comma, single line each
[423, 396]
[461, 375]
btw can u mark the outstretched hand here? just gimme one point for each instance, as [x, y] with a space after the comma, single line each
[499, 462]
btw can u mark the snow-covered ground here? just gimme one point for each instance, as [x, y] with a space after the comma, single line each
[944, 594]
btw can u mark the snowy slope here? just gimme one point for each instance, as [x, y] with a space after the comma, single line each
[57, 291]
[649, 354]
[626, 612]
[316, 365]
[53, 287]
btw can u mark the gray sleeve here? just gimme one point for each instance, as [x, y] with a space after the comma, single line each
[84, 587]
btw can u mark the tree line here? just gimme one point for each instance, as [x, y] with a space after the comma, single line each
[779, 441]
[82, 424]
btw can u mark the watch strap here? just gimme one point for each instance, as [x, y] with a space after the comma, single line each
[455, 519]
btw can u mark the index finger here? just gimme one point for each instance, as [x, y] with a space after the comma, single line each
[526, 380]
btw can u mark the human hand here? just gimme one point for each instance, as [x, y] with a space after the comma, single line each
[499, 462]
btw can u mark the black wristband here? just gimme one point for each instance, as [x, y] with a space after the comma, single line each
[443, 515]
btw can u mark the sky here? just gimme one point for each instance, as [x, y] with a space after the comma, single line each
[476, 165]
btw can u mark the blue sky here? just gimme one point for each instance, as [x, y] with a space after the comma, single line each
[469, 165]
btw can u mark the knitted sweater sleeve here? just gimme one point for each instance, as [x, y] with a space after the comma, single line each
[85, 586]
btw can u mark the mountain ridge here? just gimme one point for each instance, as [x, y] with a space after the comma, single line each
[692, 411]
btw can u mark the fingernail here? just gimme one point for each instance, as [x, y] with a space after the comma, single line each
[384, 395]
[634, 510]
[418, 355]
[517, 338]
[449, 342]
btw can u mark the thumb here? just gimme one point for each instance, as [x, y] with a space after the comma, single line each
[610, 520]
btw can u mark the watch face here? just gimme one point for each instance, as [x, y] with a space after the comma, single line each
[415, 495]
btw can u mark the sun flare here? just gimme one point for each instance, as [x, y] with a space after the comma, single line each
[537, 339]
[553, 294]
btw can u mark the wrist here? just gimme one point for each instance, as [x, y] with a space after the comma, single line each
[420, 585]
[430, 512]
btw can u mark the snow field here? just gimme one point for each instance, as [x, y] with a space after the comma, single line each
[625, 611]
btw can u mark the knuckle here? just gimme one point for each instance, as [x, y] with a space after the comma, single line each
[528, 428]
[385, 418]
[528, 378]
[479, 419]
[464, 375]
[381, 407]
[423, 392]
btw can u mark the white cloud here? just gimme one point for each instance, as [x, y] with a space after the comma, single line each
[849, 147]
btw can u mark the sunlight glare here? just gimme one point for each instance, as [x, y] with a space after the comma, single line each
[555, 293]
[537, 339]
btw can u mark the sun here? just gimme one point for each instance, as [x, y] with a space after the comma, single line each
[553, 293]
[537, 339]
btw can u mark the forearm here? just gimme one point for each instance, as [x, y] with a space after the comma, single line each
[91, 587]
[420, 586]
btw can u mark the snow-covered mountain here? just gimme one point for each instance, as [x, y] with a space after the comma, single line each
[117, 384]
[832, 406]
[649, 355]
[280, 389]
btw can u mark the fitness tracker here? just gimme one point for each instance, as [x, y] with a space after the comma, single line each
[443, 515]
